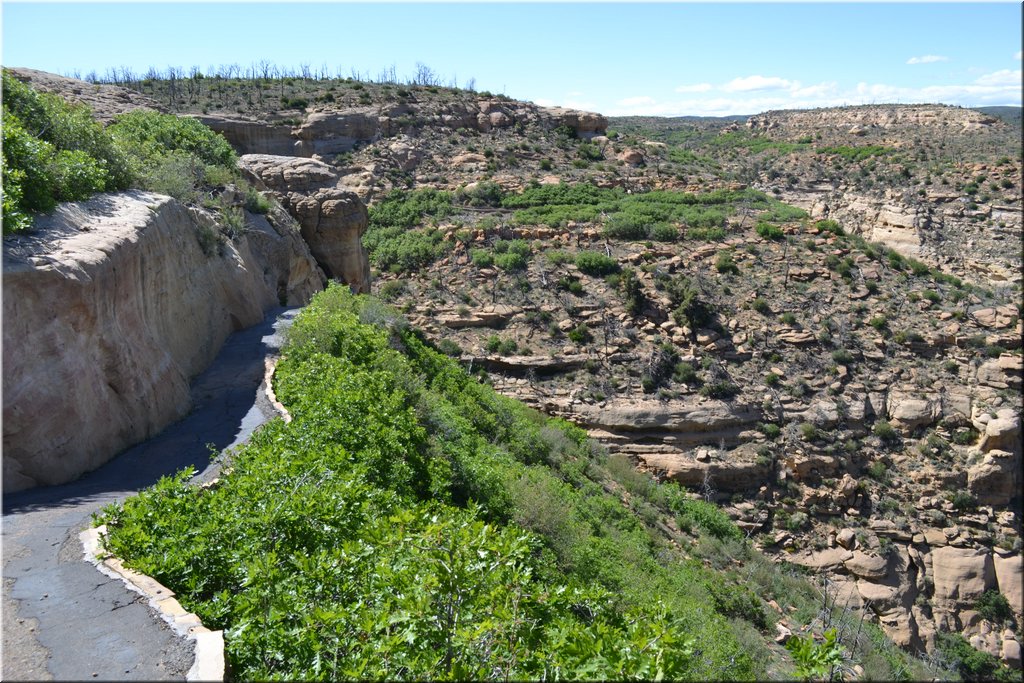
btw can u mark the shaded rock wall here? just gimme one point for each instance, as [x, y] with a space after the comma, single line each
[110, 307]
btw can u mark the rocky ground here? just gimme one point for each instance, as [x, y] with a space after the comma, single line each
[852, 395]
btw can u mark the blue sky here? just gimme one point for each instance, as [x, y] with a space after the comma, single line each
[616, 58]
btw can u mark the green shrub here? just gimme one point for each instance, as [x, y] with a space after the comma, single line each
[482, 258]
[571, 284]
[724, 263]
[963, 501]
[761, 306]
[632, 292]
[887, 433]
[52, 151]
[994, 606]
[808, 432]
[723, 389]
[449, 348]
[580, 334]
[664, 232]
[512, 261]
[842, 356]
[830, 226]
[771, 430]
[256, 201]
[595, 263]
[970, 664]
[622, 226]
[877, 470]
[769, 231]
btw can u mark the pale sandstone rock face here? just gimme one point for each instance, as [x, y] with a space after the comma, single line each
[1002, 433]
[674, 416]
[586, 124]
[110, 308]
[1009, 569]
[961, 575]
[995, 480]
[333, 219]
[252, 137]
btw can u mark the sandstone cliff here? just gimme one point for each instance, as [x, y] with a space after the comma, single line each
[110, 307]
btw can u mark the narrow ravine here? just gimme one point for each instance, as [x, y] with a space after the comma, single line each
[64, 620]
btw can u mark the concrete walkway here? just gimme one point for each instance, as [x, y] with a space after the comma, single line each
[63, 619]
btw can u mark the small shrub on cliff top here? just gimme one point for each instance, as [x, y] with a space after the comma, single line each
[52, 151]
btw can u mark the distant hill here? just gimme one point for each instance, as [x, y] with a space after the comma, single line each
[1011, 115]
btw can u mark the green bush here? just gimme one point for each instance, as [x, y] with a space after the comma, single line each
[769, 231]
[830, 226]
[994, 606]
[887, 433]
[724, 263]
[971, 664]
[345, 543]
[482, 258]
[511, 261]
[721, 390]
[52, 151]
[580, 334]
[664, 232]
[595, 263]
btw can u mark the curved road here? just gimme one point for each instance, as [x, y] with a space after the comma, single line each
[63, 619]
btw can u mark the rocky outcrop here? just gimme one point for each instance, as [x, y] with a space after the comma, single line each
[111, 306]
[253, 137]
[105, 101]
[333, 219]
[862, 119]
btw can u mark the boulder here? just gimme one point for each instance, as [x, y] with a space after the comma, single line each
[1002, 432]
[867, 566]
[332, 219]
[1010, 579]
[585, 124]
[961, 575]
[995, 479]
[908, 411]
[847, 538]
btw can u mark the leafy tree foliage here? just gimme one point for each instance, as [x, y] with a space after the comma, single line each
[409, 522]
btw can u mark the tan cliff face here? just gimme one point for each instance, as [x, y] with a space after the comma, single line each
[110, 308]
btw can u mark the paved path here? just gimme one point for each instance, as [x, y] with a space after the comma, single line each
[63, 619]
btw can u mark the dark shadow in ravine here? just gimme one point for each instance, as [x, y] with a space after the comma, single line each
[227, 407]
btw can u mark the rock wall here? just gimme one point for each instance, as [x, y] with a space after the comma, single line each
[110, 307]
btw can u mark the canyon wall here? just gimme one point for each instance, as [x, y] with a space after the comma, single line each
[111, 306]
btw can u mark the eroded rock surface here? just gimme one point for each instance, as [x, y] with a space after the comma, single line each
[110, 307]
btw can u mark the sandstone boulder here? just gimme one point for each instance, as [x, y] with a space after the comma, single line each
[1010, 578]
[961, 575]
[585, 124]
[995, 479]
[867, 566]
[1002, 432]
[909, 411]
[332, 219]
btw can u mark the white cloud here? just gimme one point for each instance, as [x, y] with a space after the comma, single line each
[637, 101]
[927, 59]
[750, 83]
[1018, 55]
[698, 87]
[998, 88]
[1001, 77]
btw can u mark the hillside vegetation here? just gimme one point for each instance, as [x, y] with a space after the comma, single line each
[53, 151]
[411, 523]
